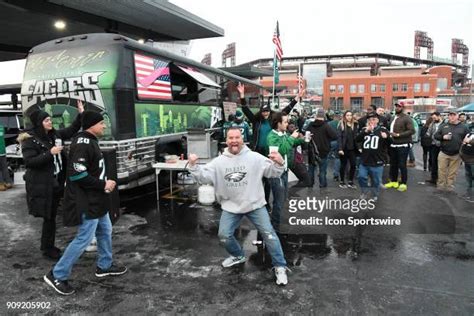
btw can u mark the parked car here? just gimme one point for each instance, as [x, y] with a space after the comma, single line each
[12, 121]
[421, 117]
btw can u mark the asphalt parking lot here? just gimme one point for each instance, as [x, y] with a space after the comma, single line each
[173, 256]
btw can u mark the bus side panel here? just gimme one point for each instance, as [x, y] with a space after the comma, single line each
[55, 80]
[160, 119]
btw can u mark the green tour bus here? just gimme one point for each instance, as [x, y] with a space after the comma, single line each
[148, 96]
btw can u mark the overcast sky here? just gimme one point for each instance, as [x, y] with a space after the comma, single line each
[331, 27]
[321, 27]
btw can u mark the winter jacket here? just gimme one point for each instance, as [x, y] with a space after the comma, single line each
[451, 147]
[343, 140]
[402, 124]
[285, 144]
[432, 131]
[323, 134]
[425, 136]
[256, 120]
[40, 181]
[85, 181]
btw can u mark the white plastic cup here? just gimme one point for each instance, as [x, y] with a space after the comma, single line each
[307, 136]
[58, 142]
[273, 149]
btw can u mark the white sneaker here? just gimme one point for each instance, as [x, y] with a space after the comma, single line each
[93, 246]
[281, 277]
[231, 261]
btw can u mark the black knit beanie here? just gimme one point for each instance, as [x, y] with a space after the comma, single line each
[90, 118]
[37, 118]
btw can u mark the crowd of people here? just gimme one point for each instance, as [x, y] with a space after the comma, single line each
[359, 146]
[250, 177]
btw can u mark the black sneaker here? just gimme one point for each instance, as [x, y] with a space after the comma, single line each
[62, 287]
[351, 185]
[113, 270]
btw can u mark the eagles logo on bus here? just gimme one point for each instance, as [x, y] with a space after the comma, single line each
[153, 78]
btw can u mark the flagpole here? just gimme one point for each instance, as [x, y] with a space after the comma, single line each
[274, 68]
[299, 78]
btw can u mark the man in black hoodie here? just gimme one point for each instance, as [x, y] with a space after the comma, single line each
[451, 136]
[322, 135]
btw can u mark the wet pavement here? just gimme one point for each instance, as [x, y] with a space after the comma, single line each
[424, 267]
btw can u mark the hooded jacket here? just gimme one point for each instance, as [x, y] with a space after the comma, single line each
[323, 134]
[237, 179]
[40, 181]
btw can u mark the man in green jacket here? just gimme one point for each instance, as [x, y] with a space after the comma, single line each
[279, 140]
[5, 180]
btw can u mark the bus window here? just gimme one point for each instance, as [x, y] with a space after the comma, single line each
[184, 87]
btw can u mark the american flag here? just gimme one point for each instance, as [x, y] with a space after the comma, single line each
[153, 78]
[277, 42]
[300, 83]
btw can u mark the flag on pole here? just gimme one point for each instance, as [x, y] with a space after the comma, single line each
[278, 54]
[277, 42]
[300, 83]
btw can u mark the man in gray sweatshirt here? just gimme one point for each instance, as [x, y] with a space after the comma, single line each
[237, 179]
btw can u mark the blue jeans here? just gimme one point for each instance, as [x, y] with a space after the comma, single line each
[99, 227]
[375, 174]
[334, 155]
[280, 193]
[323, 166]
[259, 217]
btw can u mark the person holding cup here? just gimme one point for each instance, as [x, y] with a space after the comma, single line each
[451, 136]
[45, 174]
[279, 141]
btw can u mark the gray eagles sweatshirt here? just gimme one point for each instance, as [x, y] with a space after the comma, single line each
[237, 179]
